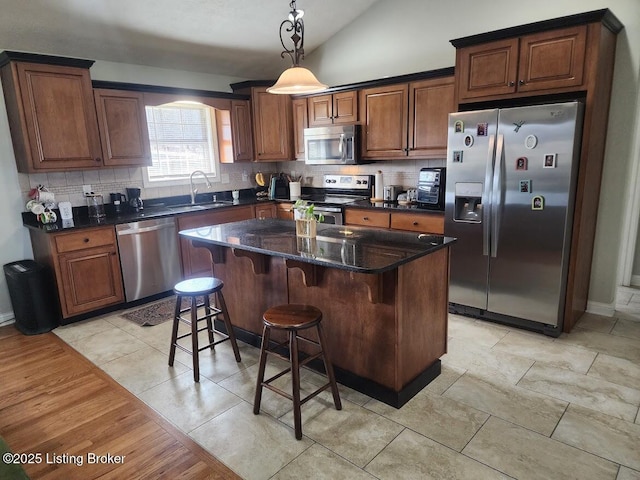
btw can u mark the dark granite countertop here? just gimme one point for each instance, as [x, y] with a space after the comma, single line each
[152, 210]
[157, 208]
[358, 249]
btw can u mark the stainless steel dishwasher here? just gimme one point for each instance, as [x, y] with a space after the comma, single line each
[149, 257]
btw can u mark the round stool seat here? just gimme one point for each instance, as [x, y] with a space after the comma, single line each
[292, 316]
[198, 286]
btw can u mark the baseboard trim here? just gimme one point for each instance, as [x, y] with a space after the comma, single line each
[7, 319]
[599, 308]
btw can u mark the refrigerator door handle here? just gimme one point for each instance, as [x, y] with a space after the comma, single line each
[486, 194]
[496, 197]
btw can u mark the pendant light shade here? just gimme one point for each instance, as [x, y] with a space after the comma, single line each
[296, 79]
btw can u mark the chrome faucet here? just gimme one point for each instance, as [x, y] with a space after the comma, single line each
[194, 191]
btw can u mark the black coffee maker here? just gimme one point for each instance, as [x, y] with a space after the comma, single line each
[135, 202]
[118, 200]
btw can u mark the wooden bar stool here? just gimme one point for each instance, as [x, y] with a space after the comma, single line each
[194, 288]
[294, 318]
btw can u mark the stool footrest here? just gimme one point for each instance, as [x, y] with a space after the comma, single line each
[211, 315]
[290, 397]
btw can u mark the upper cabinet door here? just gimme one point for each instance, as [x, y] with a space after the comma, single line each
[345, 107]
[547, 62]
[320, 110]
[300, 122]
[57, 108]
[272, 126]
[553, 59]
[241, 131]
[385, 119]
[336, 109]
[430, 103]
[123, 127]
[487, 69]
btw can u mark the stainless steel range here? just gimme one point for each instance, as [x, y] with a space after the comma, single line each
[338, 191]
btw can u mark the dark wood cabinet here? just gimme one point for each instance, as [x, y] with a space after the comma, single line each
[367, 218]
[52, 117]
[272, 126]
[300, 122]
[385, 121]
[407, 120]
[412, 221]
[241, 131]
[541, 62]
[418, 222]
[266, 210]
[122, 123]
[197, 261]
[86, 265]
[284, 211]
[430, 103]
[333, 109]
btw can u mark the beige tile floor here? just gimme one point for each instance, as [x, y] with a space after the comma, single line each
[508, 404]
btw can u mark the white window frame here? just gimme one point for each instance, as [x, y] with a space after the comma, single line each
[213, 146]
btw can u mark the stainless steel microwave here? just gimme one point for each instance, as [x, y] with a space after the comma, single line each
[333, 145]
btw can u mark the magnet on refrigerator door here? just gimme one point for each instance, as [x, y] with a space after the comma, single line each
[522, 163]
[525, 186]
[537, 203]
[550, 160]
[457, 156]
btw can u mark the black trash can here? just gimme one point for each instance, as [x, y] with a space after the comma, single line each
[33, 296]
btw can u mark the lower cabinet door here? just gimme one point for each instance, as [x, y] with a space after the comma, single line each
[89, 280]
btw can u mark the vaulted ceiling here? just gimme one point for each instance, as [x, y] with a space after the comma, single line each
[238, 38]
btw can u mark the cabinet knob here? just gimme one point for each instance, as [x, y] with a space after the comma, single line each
[511, 84]
[98, 160]
[415, 223]
[521, 82]
[365, 218]
[86, 240]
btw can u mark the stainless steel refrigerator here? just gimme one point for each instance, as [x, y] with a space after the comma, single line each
[511, 176]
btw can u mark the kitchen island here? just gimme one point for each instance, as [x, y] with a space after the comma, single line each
[383, 294]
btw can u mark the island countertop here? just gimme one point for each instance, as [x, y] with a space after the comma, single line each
[357, 249]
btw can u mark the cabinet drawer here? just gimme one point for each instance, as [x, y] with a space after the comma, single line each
[367, 218]
[98, 237]
[418, 222]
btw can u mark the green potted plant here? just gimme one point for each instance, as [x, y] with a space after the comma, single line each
[306, 219]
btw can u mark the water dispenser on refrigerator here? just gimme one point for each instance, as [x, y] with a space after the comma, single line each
[468, 202]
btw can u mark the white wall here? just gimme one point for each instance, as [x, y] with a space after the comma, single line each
[396, 37]
[14, 238]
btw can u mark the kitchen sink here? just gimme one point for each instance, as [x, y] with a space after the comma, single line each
[201, 206]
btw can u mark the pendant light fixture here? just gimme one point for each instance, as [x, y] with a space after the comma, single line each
[295, 79]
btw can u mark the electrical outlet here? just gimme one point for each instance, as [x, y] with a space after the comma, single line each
[224, 178]
[293, 175]
[245, 176]
[86, 189]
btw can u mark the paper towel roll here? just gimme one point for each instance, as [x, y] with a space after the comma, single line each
[379, 188]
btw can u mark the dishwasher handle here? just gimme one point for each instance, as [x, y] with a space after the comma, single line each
[152, 228]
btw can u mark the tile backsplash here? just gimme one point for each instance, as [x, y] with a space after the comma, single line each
[67, 186]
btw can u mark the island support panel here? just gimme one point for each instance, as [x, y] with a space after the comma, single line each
[385, 331]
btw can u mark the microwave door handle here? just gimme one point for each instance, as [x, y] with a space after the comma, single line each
[340, 143]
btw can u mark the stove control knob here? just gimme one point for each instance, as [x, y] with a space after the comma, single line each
[358, 182]
[364, 182]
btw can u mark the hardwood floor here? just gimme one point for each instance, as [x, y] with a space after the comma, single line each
[56, 403]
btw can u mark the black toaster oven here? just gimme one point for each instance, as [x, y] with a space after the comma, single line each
[431, 188]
